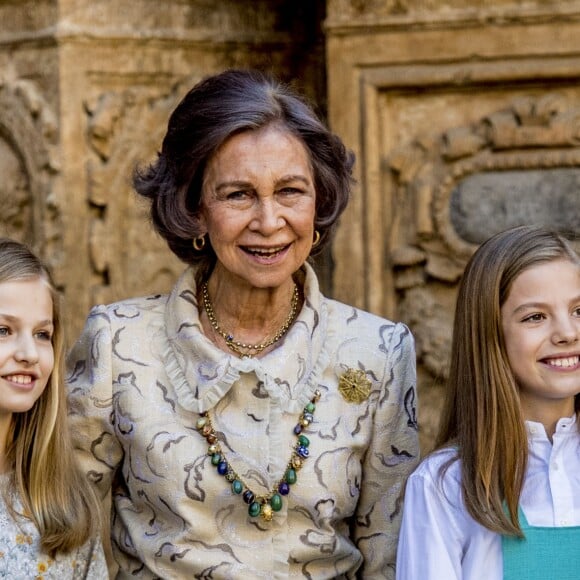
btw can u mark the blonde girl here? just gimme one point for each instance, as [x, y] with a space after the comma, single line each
[500, 496]
[48, 513]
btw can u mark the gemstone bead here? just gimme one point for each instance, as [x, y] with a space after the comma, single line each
[263, 506]
[276, 502]
[254, 509]
[266, 512]
[290, 476]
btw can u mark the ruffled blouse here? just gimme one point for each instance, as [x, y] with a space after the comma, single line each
[143, 371]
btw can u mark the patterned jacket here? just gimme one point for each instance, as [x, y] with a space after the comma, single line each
[143, 371]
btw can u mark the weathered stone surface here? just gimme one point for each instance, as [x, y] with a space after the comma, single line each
[28, 159]
[463, 115]
[488, 202]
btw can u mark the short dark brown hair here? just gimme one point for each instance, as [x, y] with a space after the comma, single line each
[214, 110]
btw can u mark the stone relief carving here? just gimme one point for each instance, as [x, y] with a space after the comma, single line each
[456, 189]
[15, 196]
[125, 128]
[29, 166]
[428, 12]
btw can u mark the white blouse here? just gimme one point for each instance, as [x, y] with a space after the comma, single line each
[439, 540]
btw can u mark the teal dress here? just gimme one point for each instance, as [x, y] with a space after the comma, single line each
[544, 554]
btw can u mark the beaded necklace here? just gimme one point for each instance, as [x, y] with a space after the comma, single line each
[261, 505]
[240, 348]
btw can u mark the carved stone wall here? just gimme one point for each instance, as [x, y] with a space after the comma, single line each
[28, 165]
[85, 92]
[465, 118]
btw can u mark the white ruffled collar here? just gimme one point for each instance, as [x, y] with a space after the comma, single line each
[202, 374]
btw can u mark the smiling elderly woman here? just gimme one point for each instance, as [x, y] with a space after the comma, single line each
[249, 426]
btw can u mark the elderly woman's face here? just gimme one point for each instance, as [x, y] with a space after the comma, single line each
[258, 206]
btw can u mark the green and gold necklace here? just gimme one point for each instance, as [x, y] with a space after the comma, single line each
[261, 505]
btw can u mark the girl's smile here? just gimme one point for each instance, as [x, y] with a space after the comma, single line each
[541, 327]
[21, 380]
[565, 363]
[26, 351]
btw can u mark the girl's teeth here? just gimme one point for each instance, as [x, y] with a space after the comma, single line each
[20, 379]
[564, 362]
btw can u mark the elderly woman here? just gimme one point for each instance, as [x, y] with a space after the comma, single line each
[248, 426]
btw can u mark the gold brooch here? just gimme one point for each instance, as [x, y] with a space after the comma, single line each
[354, 386]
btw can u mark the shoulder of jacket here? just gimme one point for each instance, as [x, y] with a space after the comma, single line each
[353, 320]
[131, 309]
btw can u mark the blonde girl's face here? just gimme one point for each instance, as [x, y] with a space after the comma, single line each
[541, 326]
[26, 351]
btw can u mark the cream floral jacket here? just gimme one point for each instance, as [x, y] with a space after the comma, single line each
[141, 374]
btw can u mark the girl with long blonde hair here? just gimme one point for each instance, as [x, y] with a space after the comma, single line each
[500, 496]
[49, 516]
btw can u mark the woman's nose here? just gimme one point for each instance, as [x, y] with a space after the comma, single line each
[26, 350]
[268, 216]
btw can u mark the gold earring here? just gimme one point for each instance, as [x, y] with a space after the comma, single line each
[316, 240]
[199, 243]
